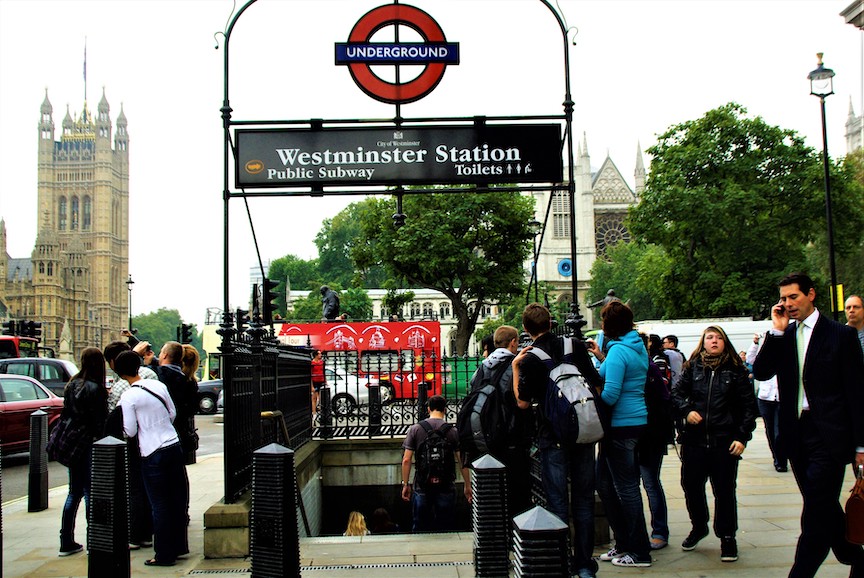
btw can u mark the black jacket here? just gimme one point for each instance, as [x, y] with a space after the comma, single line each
[184, 394]
[723, 397]
[86, 402]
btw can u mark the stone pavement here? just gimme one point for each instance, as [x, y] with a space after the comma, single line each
[769, 507]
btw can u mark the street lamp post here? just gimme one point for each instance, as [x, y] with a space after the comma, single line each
[822, 85]
[534, 227]
[129, 284]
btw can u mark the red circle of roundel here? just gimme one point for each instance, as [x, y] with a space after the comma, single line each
[391, 92]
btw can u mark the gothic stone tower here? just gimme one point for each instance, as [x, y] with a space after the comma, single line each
[81, 257]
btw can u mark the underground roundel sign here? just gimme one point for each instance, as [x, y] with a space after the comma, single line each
[434, 54]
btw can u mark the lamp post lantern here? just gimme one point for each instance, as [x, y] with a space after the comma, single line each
[534, 227]
[822, 85]
[129, 283]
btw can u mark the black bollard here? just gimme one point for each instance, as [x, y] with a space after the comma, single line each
[108, 526]
[374, 409]
[540, 544]
[422, 398]
[37, 487]
[326, 414]
[489, 517]
[274, 538]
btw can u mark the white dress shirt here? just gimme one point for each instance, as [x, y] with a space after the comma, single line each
[147, 417]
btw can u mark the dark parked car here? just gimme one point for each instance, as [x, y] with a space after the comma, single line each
[20, 396]
[208, 393]
[52, 373]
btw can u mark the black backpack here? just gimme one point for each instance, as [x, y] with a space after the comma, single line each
[485, 420]
[435, 463]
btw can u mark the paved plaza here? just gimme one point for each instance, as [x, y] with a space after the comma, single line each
[769, 507]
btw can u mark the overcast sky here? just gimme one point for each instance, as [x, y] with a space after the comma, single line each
[637, 67]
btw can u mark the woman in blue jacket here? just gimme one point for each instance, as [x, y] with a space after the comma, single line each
[717, 402]
[624, 369]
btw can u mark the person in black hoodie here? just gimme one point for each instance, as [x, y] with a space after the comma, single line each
[717, 402]
[85, 403]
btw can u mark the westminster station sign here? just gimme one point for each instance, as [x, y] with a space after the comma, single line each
[499, 154]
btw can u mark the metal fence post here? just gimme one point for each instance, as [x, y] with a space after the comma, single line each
[540, 544]
[489, 518]
[422, 398]
[37, 488]
[326, 414]
[274, 537]
[108, 526]
[374, 409]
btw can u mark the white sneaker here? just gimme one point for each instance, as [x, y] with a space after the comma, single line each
[629, 561]
[611, 554]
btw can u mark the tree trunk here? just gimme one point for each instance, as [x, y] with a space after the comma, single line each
[466, 320]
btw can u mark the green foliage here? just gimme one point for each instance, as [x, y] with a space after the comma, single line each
[395, 300]
[471, 247]
[160, 326]
[335, 241]
[732, 201]
[301, 275]
[354, 302]
[633, 271]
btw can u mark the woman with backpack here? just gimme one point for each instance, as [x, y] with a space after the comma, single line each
[85, 405]
[624, 369]
[654, 442]
[718, 405]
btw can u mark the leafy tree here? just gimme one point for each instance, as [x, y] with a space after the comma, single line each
[160, 326]
[732, 201]
[633, 270]
[471, 247]
[300, 273]
[354, 302]
[335, 242]
[395, 300]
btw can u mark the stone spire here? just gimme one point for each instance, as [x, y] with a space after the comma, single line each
[639, 173]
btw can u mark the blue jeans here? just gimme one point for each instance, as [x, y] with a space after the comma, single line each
[433, 511]
[165, 481]
[577, 463]
[79, 487]
[618, 486]
[650, 462]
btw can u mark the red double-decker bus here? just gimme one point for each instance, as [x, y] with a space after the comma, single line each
[401, 355]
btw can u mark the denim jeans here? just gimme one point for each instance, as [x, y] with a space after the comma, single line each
[770, 412]
[650, 461]
[433, 511]
[576, 463]
[79, 487]
[618, 486]
[166, 484]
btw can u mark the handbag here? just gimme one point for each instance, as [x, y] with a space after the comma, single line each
[855, 510]
[67, 443]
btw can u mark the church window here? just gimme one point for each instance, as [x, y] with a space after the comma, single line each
[41, 268]
[61, 214]
[415, 310]
[85, 225]
[609, 231]
[560, 215]
[74, 226]
[50, 269]
[428, 310]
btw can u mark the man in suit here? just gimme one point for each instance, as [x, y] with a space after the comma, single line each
[821, 427]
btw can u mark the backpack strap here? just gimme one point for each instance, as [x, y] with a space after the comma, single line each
[427, 427]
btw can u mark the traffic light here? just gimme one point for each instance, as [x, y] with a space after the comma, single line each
[35, 329]
[241, 319]
[268, 300]
[185, 333]
[9, 327]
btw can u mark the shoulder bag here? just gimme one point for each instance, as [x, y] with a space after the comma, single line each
[855, 510]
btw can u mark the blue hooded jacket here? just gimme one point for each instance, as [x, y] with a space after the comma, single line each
[625, 371]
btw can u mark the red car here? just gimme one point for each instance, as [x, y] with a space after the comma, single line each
[20, 396]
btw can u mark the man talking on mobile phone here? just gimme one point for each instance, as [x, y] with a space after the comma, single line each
[820, 375]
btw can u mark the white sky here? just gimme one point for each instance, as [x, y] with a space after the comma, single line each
[637, 67]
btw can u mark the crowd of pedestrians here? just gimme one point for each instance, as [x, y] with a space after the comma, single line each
[808, 388]
[151, 404]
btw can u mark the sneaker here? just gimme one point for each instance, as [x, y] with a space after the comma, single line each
[658, 543]
[611, 554]
[134, 546]
[728, 550]
[73, 548]
[693, 538]
[142, 544]
[631, 561]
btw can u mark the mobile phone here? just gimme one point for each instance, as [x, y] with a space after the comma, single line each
[781, 309]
